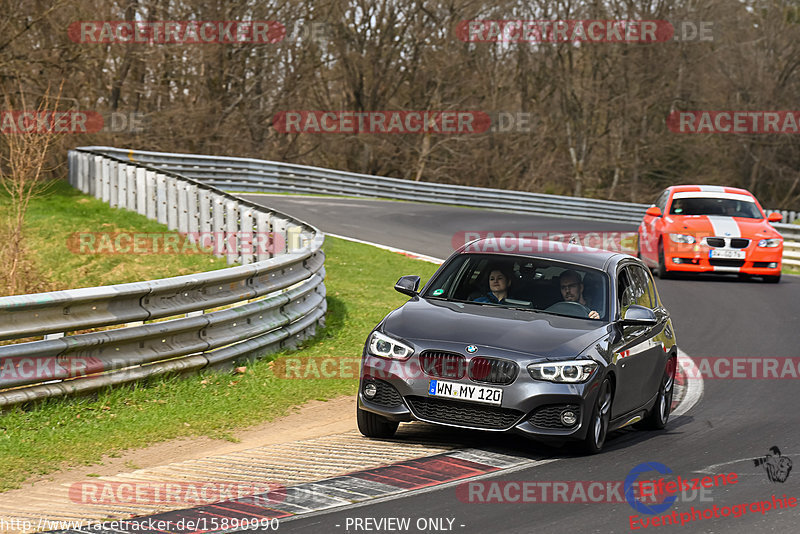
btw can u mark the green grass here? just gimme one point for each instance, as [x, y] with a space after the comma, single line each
[63, 213]
[79, 431]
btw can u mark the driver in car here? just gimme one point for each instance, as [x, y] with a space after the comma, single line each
[572, 291]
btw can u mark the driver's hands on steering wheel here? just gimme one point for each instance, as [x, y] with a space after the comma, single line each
[591, 314]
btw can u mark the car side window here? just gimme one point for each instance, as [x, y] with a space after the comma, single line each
[625, 292]
[651, 288]
[641, 292]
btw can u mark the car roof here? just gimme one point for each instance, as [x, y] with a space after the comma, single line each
[544, 249]
[708, 189]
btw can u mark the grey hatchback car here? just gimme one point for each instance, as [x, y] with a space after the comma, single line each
[550, 343]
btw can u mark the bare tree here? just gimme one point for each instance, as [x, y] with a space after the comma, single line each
[22, 176]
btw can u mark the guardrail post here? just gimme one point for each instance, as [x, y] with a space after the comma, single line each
[192, 215]
[96, 166]
[183, 208]
[294, 238]
[72, 173]
[150, 186]
[142, 191]
[205, 223]
[133, 192]
[248, 239]
[113, 183]
[122, 186]
[83, 171]
[161, 198]
[265, 241]
[172, 203]
[218, 222]
[279, 227]
[232, 237]
[106, 179]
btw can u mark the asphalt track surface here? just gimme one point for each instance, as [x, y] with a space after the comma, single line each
[736, 421]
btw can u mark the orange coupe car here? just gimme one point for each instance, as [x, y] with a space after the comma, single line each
[705, 228]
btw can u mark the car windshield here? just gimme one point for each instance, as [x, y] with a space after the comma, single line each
[715, 206]
[526, 283]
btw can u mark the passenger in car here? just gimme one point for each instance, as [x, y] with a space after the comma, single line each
[572, 291]
[499, 282]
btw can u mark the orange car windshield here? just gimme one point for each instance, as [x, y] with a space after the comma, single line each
[715, 206]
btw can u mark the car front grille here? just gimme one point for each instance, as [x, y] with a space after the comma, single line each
[732, 242]
[443, 364]
[550, 416]
[387, 395]
[492, 371]
[717, 262]
[463, 413]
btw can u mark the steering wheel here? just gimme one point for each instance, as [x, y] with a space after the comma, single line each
[568, 307]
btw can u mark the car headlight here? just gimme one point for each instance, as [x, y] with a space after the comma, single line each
[571, 372]
[384, 346]
[682, 238]
[770, 243]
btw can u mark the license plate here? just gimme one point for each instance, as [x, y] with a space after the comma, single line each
[727, 254]
[454, 390]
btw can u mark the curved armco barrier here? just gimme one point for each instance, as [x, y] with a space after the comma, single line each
[243, 174]
[286, 280]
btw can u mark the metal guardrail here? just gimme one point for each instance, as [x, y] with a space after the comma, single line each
[287, 285]
[243, 174]
[791, 253]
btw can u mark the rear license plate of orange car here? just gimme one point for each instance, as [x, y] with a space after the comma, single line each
[727, 254]
[454, 390]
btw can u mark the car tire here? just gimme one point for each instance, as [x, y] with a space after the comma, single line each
[658, 416]
[772, 278]
[373, 425]
[663, 273]
[599, 420]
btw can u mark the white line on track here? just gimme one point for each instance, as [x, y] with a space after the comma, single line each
[694, 384]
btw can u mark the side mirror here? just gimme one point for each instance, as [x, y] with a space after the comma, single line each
[637, 315]
[774, 217]
[408, 285]
[653, 211]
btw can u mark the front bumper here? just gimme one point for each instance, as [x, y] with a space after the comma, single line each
[696, 258]
[529, 407]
